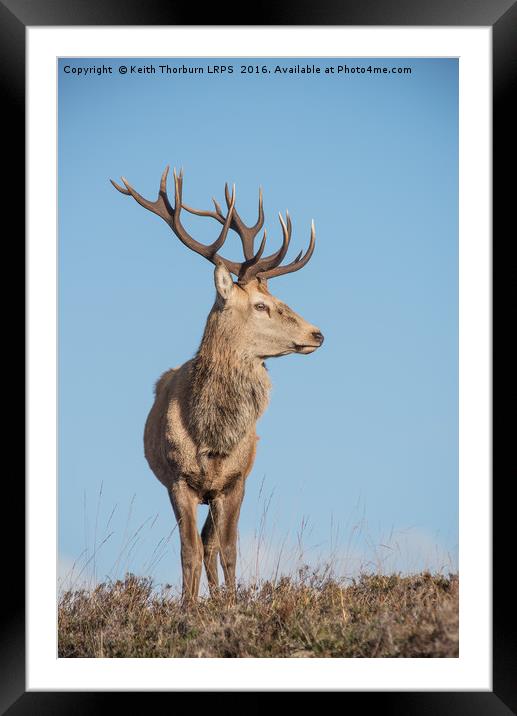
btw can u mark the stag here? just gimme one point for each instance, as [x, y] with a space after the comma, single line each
[200, 435]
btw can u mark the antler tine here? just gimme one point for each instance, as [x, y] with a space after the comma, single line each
[295, 265]
[209, 251]
[217, 214]
[246, 273]
[261, 247]
[161, 206]
[247, 234]
[260, 220]
[218, 207]
[119, 188]
[275, 259]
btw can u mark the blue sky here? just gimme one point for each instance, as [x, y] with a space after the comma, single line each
[358, 457]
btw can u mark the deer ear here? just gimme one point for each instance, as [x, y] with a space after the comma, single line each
[223, 281]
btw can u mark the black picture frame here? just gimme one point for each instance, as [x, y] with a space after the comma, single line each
[501, 16]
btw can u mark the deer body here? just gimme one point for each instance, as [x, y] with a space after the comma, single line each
[173, 451]
[200, 436]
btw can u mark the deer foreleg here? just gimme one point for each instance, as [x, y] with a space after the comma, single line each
[227, 533]
[184, 503]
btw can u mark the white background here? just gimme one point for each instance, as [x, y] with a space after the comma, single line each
[472, 670]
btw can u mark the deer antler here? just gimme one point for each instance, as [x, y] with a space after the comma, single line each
[254, 265]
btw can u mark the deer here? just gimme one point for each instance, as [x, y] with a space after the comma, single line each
[200, 435]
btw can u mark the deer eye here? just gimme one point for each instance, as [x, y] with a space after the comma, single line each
[260, 307]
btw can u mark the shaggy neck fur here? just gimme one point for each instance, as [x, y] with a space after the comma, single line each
[229, 390]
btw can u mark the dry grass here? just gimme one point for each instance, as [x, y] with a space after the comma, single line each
[310, 615]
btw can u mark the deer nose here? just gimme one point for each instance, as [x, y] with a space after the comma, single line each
[318, 336]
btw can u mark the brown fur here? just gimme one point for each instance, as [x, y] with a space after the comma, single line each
[228, 391]
[200, 438]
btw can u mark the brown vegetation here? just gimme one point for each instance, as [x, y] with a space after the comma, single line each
[311, 615]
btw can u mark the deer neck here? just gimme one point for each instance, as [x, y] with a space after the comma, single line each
[229, 390]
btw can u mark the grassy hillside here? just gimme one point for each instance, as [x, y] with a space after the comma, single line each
[309, 615]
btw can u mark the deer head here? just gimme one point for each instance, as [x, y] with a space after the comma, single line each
[266, 326]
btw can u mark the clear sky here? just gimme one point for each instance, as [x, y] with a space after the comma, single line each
[358, 456]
